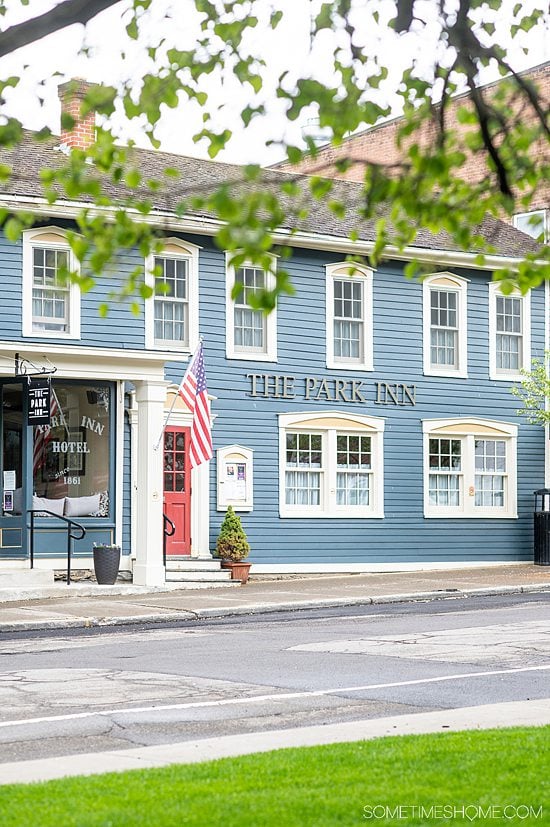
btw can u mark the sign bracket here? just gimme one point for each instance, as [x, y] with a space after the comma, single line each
[26, 367]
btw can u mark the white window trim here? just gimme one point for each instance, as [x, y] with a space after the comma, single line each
[184, 250]
[346, 270]
[494, 291]
[468, 429]
[542, 211]
[270, 353]
[41, 237]
[310, 422]
[436, 281]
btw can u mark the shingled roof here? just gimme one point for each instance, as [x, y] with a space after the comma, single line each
[196, 175]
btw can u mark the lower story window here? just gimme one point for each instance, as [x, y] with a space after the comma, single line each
[472, 472]
[353, 477]
[491, 473]
[72, 455]
[445, 472]
[328, 469]
[304, 463]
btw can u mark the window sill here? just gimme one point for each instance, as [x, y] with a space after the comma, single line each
[50, 334]
[506, 377]
[165, 346]
[447, 374]
[351, 366]
[326, 515]
[249, 356]
[460, 515]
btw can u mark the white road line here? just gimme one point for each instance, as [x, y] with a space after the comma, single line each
[284, 696]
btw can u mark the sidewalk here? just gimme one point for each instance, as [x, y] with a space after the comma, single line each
[84, 605]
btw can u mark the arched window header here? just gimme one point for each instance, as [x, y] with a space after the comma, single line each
[470, 426]
[332, 419]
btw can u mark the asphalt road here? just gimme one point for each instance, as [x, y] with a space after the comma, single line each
[104, 689]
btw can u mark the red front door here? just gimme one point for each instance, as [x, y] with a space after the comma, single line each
[177, 489]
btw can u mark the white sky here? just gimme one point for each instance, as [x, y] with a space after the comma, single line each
[56, 58]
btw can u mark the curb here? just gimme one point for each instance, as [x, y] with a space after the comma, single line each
[445, 721]
[266, 609]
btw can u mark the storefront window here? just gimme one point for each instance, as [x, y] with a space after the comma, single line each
[71, 457]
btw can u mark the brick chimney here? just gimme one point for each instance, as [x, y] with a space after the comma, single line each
[71, 95]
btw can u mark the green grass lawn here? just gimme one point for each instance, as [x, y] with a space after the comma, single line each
[357, 783]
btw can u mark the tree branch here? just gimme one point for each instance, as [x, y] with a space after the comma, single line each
[63, 15]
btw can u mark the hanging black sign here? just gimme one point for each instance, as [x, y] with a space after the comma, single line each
[39, 402]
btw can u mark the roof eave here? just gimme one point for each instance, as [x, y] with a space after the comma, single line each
[203, 225]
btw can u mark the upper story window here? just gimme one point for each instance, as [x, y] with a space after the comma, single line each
[509, 334]
[171, 315]
[469, 468]
[349, 316]
[535, 224]
[331, 465]
[51, 301]
[250, 332]
[445, 325]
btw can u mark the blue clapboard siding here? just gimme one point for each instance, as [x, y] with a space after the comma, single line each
[11, 258]
[120, 329]
[404, 535]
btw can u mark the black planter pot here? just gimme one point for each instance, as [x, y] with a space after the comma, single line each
[106, 563]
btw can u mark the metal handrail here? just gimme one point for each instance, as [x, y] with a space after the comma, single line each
[70, 535]
[167, 524]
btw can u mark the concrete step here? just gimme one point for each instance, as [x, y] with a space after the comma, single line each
[197, 576]
[191, 564]
[25, 578]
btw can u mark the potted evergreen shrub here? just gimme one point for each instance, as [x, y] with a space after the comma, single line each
[232, 546]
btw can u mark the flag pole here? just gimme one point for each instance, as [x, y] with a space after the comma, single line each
[62, 415]
[169, 414]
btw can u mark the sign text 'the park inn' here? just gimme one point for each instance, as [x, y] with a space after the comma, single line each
[317, 389]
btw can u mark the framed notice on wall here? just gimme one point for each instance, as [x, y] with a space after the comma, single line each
[235, 469]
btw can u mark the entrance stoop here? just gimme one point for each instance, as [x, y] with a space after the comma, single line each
[25, 578]
[188, 570]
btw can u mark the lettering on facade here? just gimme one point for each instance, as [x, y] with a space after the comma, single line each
[69, 447]
[395, 393]
[92, 425]
[329, 389]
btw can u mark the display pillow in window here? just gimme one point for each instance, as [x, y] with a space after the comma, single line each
[55, 506]
[103, 507]
[81, 506]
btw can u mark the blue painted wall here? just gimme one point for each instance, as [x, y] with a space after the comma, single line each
[404, 535]
[120, 329]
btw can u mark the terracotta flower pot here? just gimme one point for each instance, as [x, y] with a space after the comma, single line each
[239, 569]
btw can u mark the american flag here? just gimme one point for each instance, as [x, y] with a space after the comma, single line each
[42, 436]
[194, 393]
